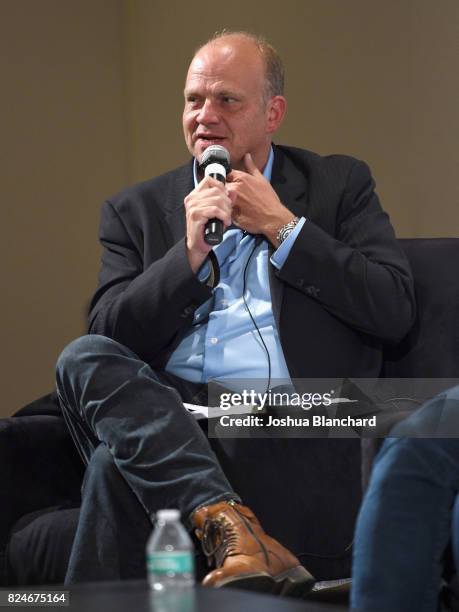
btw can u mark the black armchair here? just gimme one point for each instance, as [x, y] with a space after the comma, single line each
[41, 475]
[318, 500]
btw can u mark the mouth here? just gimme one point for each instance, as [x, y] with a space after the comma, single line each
[206, 140]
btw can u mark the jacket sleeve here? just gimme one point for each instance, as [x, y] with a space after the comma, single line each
[360, 275]
[144, 308]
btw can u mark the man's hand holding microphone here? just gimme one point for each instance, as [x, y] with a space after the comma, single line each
[208, 207]
[247, 200]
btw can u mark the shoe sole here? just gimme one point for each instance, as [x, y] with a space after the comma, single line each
[294, 582]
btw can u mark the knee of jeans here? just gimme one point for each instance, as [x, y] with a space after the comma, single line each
[400, 457]
[73, 354]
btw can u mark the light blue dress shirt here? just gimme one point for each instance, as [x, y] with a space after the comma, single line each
[223, 344]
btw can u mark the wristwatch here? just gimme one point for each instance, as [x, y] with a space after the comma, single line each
[286, 230]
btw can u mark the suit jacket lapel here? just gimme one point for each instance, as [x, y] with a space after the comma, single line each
[182, 184]
[290, 184]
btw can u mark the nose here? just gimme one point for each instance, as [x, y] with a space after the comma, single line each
[207, 114]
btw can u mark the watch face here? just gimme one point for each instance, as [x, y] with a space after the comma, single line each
[286, 233]
[286, 230]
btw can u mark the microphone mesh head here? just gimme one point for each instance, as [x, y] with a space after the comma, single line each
[216, 154]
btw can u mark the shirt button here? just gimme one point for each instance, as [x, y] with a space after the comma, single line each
[213, 340]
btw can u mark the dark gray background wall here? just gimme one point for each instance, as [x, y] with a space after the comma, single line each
[91, 98]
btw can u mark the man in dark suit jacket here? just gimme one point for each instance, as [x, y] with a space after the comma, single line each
[339, 286]
[346, 283]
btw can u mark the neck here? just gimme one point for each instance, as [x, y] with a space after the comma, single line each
[260, 160]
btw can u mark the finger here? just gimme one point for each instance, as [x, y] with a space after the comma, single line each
[234, 176]
[210, 181]
[201, 215]
[204, 196]
[232, 194]
[239, 176]
[250, 165]
[213, 197]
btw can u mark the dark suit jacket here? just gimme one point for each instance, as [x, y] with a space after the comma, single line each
[345, 287]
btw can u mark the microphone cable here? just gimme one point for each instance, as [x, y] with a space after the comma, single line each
[258, 240]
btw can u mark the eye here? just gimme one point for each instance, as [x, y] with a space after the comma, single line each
[192, 100]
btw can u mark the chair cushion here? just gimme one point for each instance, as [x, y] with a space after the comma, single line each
[39, 546]
[44, 405]
[431, 349]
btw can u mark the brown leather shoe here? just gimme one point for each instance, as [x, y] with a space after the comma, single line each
[244, 555]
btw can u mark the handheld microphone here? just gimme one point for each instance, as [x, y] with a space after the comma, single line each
[215, 162]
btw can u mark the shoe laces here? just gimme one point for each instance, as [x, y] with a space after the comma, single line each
[220, 539]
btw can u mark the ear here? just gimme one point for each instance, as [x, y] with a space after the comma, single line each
[275, 112]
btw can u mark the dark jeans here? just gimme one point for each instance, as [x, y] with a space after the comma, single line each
[128, 420]
[405, 521]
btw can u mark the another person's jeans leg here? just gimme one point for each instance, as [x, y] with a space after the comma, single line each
[109, 395]
[112, 528]
[405, 521]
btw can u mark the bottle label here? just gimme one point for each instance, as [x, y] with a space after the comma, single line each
[163, 562]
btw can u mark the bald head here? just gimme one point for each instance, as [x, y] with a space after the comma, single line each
[273, 69]
[232, 54]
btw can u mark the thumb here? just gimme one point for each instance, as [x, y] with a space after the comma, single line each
[250, 165]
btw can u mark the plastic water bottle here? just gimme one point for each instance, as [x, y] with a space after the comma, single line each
[170, 554]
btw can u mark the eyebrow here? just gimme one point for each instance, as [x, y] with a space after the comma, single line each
[229, 93]
[218, 94]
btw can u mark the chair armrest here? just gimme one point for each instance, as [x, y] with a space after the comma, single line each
[40, 467]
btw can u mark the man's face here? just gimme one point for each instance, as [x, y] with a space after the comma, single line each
[224, 102]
